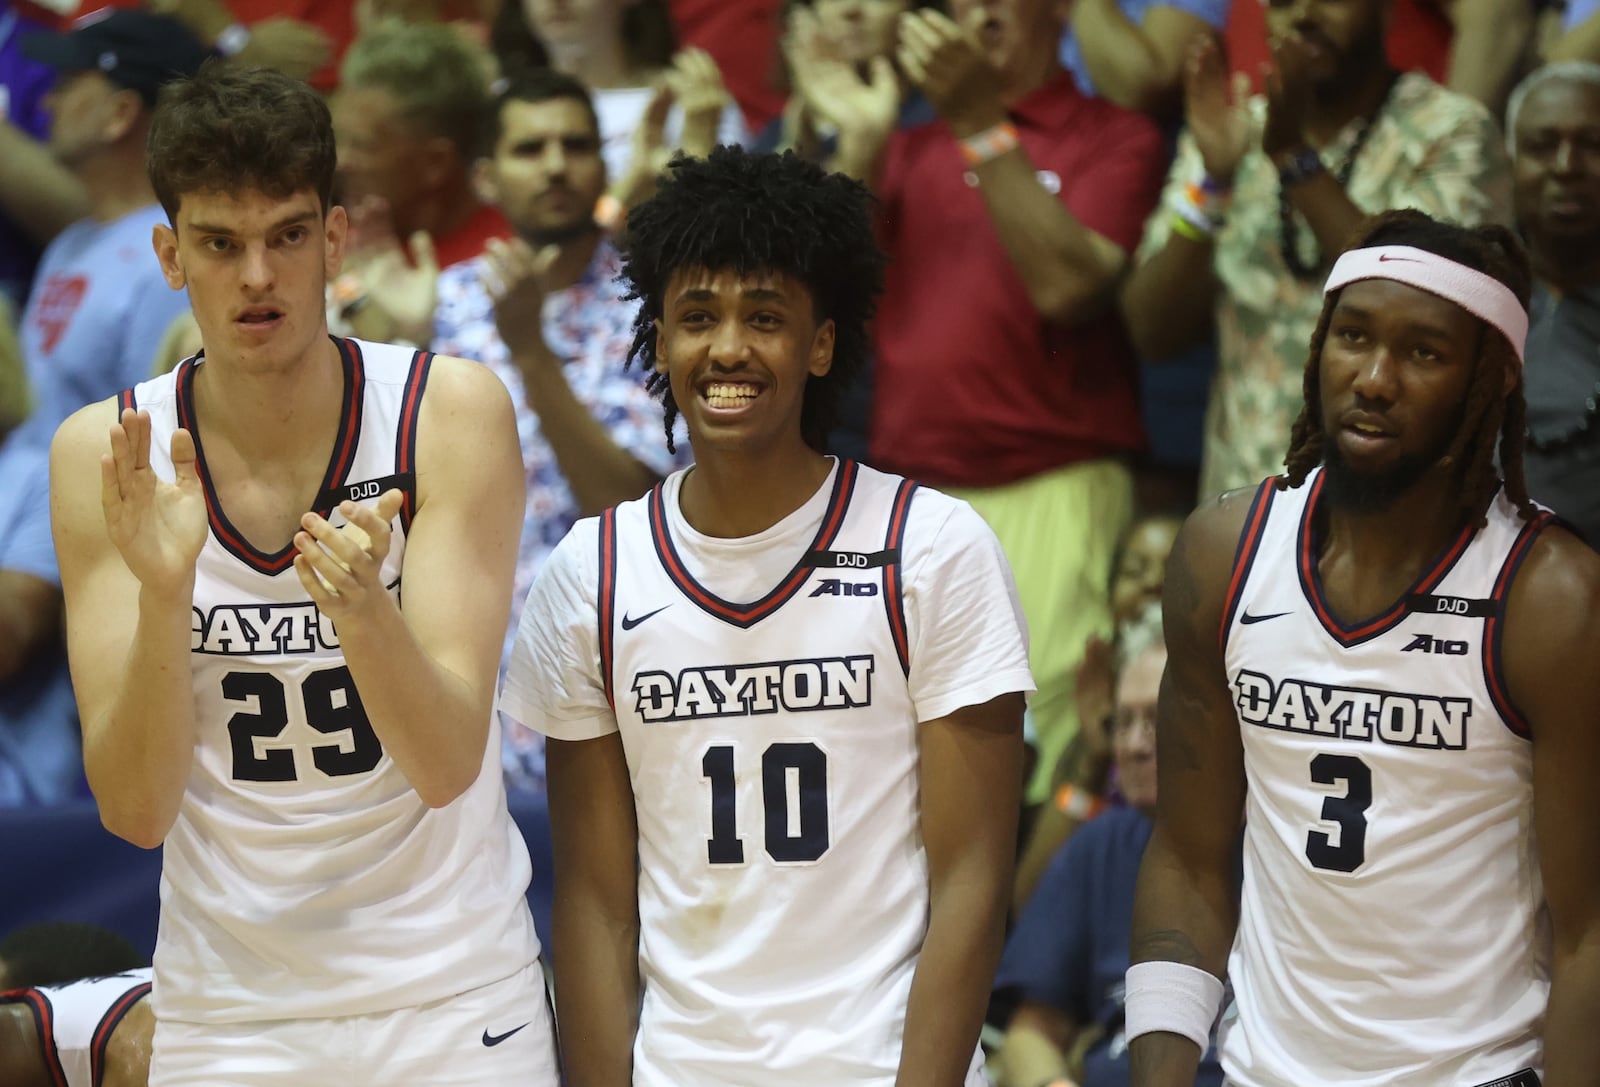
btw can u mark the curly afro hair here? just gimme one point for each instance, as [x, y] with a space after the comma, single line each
[753, 214]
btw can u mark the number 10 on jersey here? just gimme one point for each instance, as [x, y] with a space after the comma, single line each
[794, 803]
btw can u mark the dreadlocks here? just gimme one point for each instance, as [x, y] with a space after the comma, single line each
[759, 213]
[1487, 416]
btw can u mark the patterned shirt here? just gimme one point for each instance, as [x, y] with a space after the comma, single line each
[1429, 149]
[590, 327]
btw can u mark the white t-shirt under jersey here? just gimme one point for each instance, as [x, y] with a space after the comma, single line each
[773, 754]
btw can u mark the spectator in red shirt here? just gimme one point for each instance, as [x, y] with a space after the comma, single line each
[1003, 373]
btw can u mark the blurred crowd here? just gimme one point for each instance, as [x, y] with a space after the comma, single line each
[1083, 342]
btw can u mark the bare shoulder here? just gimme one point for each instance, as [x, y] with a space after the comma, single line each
[461, 386]
[1553, 608]
[127, 1056]
[1202, 558]
[84, 436]
[75, 474]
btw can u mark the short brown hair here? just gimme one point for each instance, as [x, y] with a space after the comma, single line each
[437, 77]
[233, 129]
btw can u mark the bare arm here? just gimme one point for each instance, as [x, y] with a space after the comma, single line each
[128, 633]
[1185, 908]
[1036, 1045]
[1169, 303]
[596, 910]
[127, 1062]
[1491, 38]
[1552, 639]
[30, 615]
[39, 194]
[21, 1056]
[971, 780]
[1138, 66]
[427, 674]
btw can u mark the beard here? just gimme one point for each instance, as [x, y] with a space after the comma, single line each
[1350, 490]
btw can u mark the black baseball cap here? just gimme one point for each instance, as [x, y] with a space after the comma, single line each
[137, 50]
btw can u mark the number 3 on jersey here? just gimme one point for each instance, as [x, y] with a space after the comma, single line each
[332, 707]
[1349, 812]
[794, 799]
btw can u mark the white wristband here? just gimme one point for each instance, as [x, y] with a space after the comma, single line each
[233, 39]
[1172, 998]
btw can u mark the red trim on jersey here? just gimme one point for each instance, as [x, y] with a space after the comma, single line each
[745, 616]
[126, 402]
[405, 449]
[607, 597]
[108, 1025]
[344, 453]
[1311, 580]
[893, 588]
[1244, 556]
[1494, 675]
[44, 1024]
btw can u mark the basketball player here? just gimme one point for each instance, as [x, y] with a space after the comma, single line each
[94, 1032]
[284, 576]
[791, 685]
[1385, 663]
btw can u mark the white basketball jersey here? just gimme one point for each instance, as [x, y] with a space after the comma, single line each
[304, 877]
[783, 887]
[75, 1021]
[1393, 929]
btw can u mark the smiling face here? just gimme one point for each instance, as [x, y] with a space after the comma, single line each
[255, 268]
[738, 352]
[1395, 369]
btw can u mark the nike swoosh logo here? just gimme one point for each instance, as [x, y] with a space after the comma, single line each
[496, 1039]
[1247, 618]
[628, 622]
[1384, 258]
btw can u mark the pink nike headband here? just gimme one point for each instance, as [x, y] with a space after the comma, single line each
[1481, 295]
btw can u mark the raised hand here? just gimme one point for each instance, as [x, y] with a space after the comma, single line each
[832, 88]
[649, 151]
[296, 49]
[515, 277]
[342, 569]
[402, 289]
[947, 63]
[157, 527]
[1287, 85]
[1216, 109]
[696, 85]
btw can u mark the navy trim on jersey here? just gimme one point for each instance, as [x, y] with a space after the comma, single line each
[606, 597]
[893, 584]
[745, 616]
[343, 456]
[1348, 635]
[405, 442]
[126, 402]
[1244, 556]
[1494, 672]
[108, 1025]
[44, 1020]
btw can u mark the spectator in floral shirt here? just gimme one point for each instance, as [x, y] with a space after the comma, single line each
[544, 311]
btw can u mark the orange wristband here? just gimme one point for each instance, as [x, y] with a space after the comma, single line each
[989, 144]
[1078, 804]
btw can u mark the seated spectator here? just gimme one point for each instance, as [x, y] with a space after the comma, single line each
[624, 51]
[1554, 129]
[99, 305]
[406, 115]
[1064, 963]
[39, 197]
[1265, 188]
[40, 760]
[1083, 779]
[547, 313]
[1005, 377]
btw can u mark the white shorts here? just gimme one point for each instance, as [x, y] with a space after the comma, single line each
[488, 1037]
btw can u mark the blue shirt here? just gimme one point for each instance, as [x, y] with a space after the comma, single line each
[97, 314]
[40, 761]
[1214, 12]
[23, 85]
[1069, 950]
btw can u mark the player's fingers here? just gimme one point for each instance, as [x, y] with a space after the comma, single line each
[368, 530]
[389, 503]
[110, 487]
[185, 465]
[344, 551]
[122, 455]
[322, 594]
